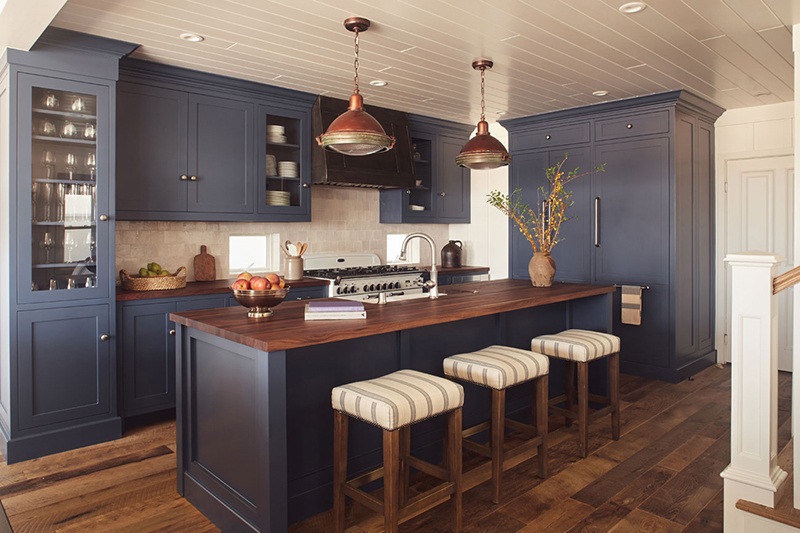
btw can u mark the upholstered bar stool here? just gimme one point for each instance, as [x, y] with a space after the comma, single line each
[578, 347]
[499, 368]
[394, 403]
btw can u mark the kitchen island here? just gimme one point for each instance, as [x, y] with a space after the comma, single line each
[254, 419]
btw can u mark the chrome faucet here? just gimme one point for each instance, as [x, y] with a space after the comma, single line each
[432, 284]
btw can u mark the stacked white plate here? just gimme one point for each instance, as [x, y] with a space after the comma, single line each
[278, 197]
[287, 169]
[272, 165]
[276, 134]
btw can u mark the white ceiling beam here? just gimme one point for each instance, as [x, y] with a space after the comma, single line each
[23, 21]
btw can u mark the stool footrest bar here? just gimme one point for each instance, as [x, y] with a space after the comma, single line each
[424, 466]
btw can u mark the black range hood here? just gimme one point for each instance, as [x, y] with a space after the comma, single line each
[387, 170]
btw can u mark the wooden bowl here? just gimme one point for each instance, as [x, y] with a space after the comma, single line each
[260, 302]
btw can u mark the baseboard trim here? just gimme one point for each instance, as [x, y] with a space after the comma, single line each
[213, 508]
[50, 442]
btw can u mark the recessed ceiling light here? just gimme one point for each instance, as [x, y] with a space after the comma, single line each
[192, 37]
[501, 113]
[600, 93]
[379, 83]
[632, 7]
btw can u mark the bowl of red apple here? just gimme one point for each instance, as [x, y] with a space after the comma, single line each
[259, 293]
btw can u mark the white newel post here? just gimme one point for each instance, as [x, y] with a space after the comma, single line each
[753, 474]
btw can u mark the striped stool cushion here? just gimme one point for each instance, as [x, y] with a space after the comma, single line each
[497, 367]
[576, 345]
[398, 399]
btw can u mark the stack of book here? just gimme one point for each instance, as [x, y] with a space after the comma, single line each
[341, 310]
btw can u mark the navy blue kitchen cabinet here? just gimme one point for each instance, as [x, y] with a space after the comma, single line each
[58, 369]
[153, 177]
[206, 144]
[443, 193]
[648, 220]
[146, 346]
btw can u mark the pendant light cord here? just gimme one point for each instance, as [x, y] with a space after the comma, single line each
[355, 64]
[483, 88]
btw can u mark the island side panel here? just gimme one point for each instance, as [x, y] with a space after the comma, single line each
[232, 412]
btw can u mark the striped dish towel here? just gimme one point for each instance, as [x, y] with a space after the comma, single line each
[632, 305]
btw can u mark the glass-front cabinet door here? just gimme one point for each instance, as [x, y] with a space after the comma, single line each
[63, 188]
[284, 176]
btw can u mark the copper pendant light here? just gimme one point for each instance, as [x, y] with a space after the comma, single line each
[483, 152]
[356, 132]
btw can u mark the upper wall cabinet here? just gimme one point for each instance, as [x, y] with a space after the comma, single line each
[441, 194]
[193, 146]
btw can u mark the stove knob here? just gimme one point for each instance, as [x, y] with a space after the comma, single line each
[366, 288]
[397, 285]
[372, 287]
[353, 289]
[339, 290]
[384, 286]
[348, 290]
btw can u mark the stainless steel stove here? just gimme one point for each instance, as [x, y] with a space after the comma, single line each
[360, 276]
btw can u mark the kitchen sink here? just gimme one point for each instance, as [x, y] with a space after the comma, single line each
[373, 299]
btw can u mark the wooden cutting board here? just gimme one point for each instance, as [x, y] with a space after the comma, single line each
[205, 266]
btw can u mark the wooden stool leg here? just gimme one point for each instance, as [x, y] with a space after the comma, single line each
[405, 451]
[339, 468]
[391, 480]
[613, 371]
[454, 469]
[498, 438]
[583, 407]
[541, 400]
[569, 378]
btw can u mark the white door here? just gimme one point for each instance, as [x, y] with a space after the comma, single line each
[760, 216]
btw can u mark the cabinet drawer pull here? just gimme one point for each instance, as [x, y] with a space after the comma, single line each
[172, 332]
[305, 185]
[103, 217]
[629, 126]
[104, 337]
[193, 178]
[184, 177]
[547, 137]
[441, 193]
[597, 221]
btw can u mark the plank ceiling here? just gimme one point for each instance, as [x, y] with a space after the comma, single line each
[549, 54]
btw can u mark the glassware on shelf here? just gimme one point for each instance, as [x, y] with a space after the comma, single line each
[47, 128]
[71, 284]
[69, 131]
[58, 193]
[49, 163]
[90, 243]
[53, 285]
[49, 101]
[35, 191]
[91, 164]
[78, 105]
[89, 283]
[47, 244]
[89, 132]
[71, 164]
[45, 199]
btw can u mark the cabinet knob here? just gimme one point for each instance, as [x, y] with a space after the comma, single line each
[184, 177]
[441, 193]
[172, 332]
[193, 178]
[103, 217]
[547, 137]
[305, 185]
[408, 191]
[104, 337]
[629, 126]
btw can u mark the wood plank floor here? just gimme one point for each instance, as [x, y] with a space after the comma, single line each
[661, 476]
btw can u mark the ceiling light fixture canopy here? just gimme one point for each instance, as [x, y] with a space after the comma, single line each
[356, 132]
[632, 7]
[483, 152]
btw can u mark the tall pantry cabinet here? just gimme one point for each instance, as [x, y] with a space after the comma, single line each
[648, 220]
[57, 322]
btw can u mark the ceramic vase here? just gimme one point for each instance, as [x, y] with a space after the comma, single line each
[542, 269]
